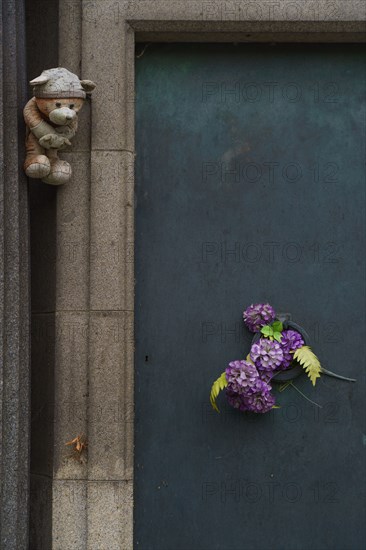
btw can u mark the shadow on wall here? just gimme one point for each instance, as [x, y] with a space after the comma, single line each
[43, 338]
[42, 53]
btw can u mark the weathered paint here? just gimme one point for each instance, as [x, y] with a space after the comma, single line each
[287, 226]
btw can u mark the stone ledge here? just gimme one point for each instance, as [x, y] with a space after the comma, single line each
[246, 28]
[217, 37]
[225, 10]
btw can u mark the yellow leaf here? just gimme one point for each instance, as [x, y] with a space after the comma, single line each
[309, 362]
[73, 441]
[217, 386]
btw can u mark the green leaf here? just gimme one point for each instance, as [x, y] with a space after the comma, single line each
[309, 362]
[267, 330]
[277, 336]
[277, 326]
[276, 407]
[217, 386]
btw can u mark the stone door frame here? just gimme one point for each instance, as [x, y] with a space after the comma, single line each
[93, 502]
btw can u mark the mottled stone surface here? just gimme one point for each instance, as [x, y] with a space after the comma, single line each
[110, 520]
[14, 285]
[110, 417]
[111, 259]
[69, 514]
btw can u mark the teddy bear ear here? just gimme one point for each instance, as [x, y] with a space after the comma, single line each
[87, 85]
[39, 80]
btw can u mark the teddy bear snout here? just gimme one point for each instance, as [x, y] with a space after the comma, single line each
[62, 116]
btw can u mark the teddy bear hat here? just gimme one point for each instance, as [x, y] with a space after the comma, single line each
[60, 83]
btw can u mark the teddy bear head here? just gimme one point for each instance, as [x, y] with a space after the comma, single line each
[60, 94]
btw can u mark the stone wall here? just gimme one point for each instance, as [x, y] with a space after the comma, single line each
[14, 285]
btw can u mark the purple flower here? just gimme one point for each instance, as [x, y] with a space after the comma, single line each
[240, 375]
[267, 375]
[236, 400]
[255, 398]
[267, 355]
[258, 315]
[290, 341]
[260, 401]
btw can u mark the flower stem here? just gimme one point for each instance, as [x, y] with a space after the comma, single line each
[330, 373]
[307, 398]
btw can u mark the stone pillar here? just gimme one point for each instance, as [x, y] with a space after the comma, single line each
[14, 285]
[111, 340]
[92, 501]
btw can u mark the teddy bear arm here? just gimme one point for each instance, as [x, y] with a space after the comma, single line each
[34, 120]
[68, 131]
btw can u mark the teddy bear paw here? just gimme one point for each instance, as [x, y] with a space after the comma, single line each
[60, 173]
[39, 167]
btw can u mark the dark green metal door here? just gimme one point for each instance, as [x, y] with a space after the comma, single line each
[250, 188]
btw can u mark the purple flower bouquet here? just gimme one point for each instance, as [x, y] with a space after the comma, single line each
[276, 347]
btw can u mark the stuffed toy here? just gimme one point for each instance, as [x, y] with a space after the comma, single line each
[51, 117]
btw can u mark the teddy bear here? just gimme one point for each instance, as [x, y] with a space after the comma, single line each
[51, 118]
